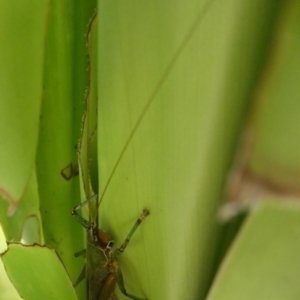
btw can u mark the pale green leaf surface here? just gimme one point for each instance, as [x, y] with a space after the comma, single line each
[61, 117]
[264, 261]
[275, 154]
[3, 245]
[22, 38]
[25, 28]
[87, 154]
[93, 103]
[37, 273]
[31, 231]
[176, 163]
[28, 207]
[7, 290]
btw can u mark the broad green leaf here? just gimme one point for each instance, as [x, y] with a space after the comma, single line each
[87, 152]
[37, 272]
[192, 69]
[3, 244]
[65, 81]
[7, 290]
[22, 37]
[264, 261]
[14, 226]
[275, 151]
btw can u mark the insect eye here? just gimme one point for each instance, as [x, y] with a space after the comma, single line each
[110, 244]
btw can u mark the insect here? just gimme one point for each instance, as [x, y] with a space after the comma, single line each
[101, 270]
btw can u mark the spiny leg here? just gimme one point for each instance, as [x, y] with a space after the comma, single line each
[85, 223]
[80, 277]
[122, 286]
[121, 249]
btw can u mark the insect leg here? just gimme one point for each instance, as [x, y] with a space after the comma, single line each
[80, 277]
[119, 250]
[80, 253]
[85, 223]
[122, 286]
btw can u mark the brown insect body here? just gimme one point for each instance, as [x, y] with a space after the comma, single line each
[101, 266]
[101, 270]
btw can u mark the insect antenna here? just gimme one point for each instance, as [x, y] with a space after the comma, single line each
[153, 95]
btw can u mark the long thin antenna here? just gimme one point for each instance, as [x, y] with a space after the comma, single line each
[160, 83]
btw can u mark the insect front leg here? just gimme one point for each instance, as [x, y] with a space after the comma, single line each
[121, 249]
[85, 223]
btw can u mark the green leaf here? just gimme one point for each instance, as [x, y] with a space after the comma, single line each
[263, 262]
[65, 81]
[7, 290]
[274, 155]
[22, 32]
[28, 209]
[37, 273]
[87, 152]
[192, 69]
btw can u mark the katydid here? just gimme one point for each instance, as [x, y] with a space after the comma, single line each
[101, 270]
